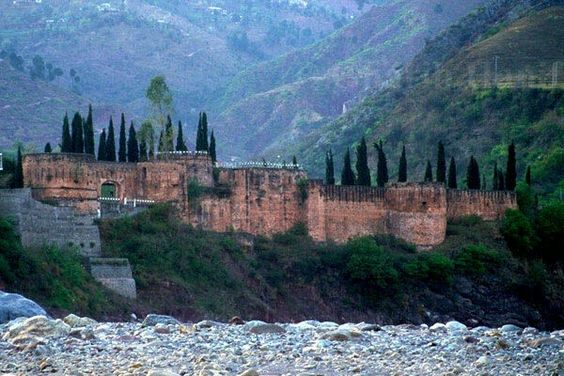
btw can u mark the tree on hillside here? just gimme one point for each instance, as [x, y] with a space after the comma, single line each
[143, 151]
[111, 143]
[441, 163]
[180, 144]
[428, 172]
[495, 178]
[362, 169]
[212, 151]
[161, 143]
[452, 183]
[382, 167]
[501, 180]
[66, 143]
[48, 148]
[102, 146]
[511, 171]
[473, 174]
[18, 174]
[132, 145]
[294, 161]
[89, 133]
[160, 100]
[347, 175]
[528, 176]
[77, 134]
[402, 173]
[122, 149]
[147, 136]
[329, 168]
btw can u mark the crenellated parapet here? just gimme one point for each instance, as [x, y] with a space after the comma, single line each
[488, 205]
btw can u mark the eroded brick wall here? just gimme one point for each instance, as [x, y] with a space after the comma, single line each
[489, 205]
[414, 212]
[78, 178]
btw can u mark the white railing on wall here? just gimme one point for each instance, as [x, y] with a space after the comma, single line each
[1, 166]
[281, 166]
[127, 201]
[188, 152]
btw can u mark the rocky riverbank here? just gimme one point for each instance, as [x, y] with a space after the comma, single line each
[163, 346]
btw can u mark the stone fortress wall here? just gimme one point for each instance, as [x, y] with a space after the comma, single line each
[263, 200]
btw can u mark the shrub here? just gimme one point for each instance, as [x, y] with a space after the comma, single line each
[550, 227]
[525, 199]
[477, 259]
[433, 267]
[518, 232]
[370, 264]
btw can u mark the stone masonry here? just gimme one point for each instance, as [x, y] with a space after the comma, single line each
[262, 200]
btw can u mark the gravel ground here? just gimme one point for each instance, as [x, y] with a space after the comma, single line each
[162, 346]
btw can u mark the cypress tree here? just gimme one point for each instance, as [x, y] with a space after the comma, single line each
[452, 183]
[89, 133]
[402, 174]
[501, 180]
[77, 134]
[132, 145]
[143, 151]
[347, 175]
[180, 144]
[441, 163]
[294, 161]
[495, 179]
[66, 143]
[205, 145]
[382, 167]
[511, 172]
[212, 153]
[18, 174]
[161, 142]
[48, 148]
[484, 183]
[428, 172]
[528, 176]
[111, 143]
[168, 135]
[473, 174]
[362, 169]
[102, 146]
[199, 134]
[329, 168]
[122, 150]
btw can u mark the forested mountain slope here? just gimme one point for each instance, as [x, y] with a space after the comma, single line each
[454, 97]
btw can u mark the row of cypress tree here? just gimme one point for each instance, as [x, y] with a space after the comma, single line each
[78, 137]
[501, 180]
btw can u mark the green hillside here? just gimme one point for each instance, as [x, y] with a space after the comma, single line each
[440, 102]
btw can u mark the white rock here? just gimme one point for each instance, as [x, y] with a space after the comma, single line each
[455, 326]
[437, 327]
[77, 322]
[509, 328]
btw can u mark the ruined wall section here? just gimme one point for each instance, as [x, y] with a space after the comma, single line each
[78, 178]
[488, 205]
[259, 201]
[413, 212]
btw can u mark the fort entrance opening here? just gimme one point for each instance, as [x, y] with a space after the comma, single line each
[109, 190]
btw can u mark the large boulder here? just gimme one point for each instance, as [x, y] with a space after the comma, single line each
[75, 321]
[28, 333]
[13, 306]
[152, 320]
